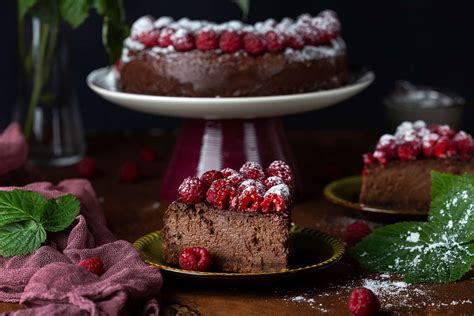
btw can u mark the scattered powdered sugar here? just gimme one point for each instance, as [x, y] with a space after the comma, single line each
[309, 301]
[308, 53]
[413, 237]
[142, 25]
[280, 189]
[246, 184]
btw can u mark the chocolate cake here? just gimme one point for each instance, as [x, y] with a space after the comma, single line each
[204, 59]
[397, 175]
[241, 218]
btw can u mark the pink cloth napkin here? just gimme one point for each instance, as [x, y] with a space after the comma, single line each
[13, 149]
[49, 281]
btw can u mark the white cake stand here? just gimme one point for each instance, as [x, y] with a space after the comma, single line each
[224, 132]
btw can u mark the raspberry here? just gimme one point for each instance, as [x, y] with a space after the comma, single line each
[253, 44]
[87, 167]
[363, 302]
[442, 130]
[388, 145]
[233, 176]
[93, 265]
[165, 37]
[444, 148]
[149, 39]
[272, 181]
[368, 158]
[182, 40]
[429, 143]
[129, 172]
[142, 25]
[464, 144]
[409, 146]
[251, 183]
[276, 41]
[310, 33]
[295, 41]
[230, 42]
[249, 199]
[252, 170]
[148, 154]
[276, 199]
[210, 176]
[207, 40]
[354, 232]
[195, 259]
[220, 193]
[191, 190]
[329, 26]
[381, 157]
[281, 169]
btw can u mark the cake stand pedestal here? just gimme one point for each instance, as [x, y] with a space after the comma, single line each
[225, 132]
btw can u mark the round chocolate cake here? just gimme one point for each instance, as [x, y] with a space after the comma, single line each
[204, 59]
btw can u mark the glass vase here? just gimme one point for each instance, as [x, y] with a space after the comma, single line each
[47, 106]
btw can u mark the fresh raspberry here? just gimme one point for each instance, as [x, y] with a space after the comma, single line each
[147, 154]
[249, 199]
[363, 302]
[149, 39]
[329, 26]
[93, 265]
[272, 181]
[276, 41]
[129, 172]
[276, 199]
[464, 144]
[220, 193]
[388, 144]
[368, 158]
[354, 232]
[254, 44]
[252, 170]
[195, 259]
[165, 37]
[443, 130]
[444, 148]
[207, 40]
[281, 169]
[87, 167]
[252, 183]
[429, 143]
[230, 42]
[191, 190]
[409, 147]
[295, 41]
[183, 40]
[142, 25]
[310, 32]
[210, 176]
[233, 176]
[381, 157]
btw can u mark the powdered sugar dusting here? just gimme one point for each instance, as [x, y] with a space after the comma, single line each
[280, 189]
[413, 237]
[316, 52]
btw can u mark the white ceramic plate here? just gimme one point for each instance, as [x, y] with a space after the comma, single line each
[104, 81]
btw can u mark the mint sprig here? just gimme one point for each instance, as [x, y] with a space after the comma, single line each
[437, 251]
[25, 216]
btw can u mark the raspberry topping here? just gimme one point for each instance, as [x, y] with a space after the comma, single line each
[281, 169]
[210, 176]
[148, 154]
[464, 144]
[276, 41]
[183, 40]
[253, 44]
[276, 199]
[220, 193]
[142, 25]
[354, 232]
[363, 302]
[93, 265]
[230, 42]
[191, 190]
[207, 40]
[165, 37]
[272, 181]
[149, 39]
[87, 167]
[252, 170]
[195, 259]
[129, 172]
[232, 175]
[249, 199]
[251, 183]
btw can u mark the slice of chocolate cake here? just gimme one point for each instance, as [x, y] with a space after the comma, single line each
[241, 218]
[397, 175]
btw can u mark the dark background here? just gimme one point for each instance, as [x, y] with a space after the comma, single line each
[427, 42]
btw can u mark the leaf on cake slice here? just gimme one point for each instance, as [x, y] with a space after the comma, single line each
[21, 238]
[19, 205]
[60, 213]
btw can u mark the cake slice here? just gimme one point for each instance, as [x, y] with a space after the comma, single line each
[397, 175]
[241, 218]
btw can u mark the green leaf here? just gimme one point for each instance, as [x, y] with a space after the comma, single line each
[21, 238]
[24, 6]
[19, 205]
[75, 12]
[99, 6]
[113, 34]
[437, 251]
[244, 6]
[60, 213]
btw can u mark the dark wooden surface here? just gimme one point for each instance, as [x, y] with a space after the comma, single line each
[133, 210]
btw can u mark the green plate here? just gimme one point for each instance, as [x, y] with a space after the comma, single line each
[313, 250]
[346, 191]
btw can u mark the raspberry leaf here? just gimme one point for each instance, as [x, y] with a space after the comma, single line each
[60, 213]
[19, 205]
[437, 251]
[21, 238]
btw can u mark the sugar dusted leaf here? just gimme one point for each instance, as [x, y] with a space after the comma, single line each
[19, 205]
[60, 213]
[21, 238]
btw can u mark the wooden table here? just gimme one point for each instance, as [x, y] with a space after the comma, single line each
[133, 210]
